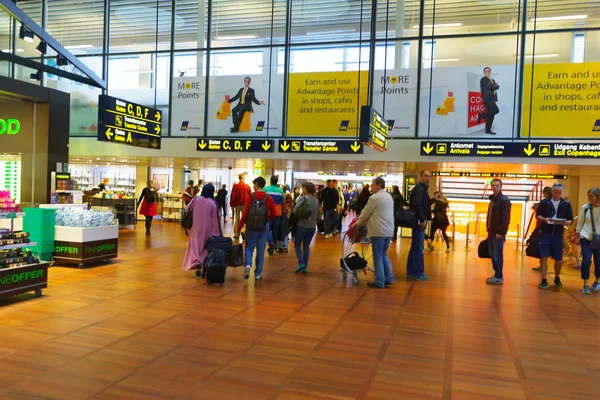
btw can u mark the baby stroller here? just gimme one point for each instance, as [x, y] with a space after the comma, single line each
[355, 246]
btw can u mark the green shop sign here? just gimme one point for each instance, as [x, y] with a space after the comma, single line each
[86, 250]
[9, 126]
[20, 277]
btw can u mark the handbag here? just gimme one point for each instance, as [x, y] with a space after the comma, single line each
[219, 242]
[187, 220]
[236, 257]
[595, 242]
[406, 218]
[483, 251]
[533, 244]
[303, 211]
[353, 261]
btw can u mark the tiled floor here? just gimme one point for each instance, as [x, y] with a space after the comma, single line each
[141, 328]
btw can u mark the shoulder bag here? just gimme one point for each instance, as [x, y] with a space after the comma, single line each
[595, 242]
[187, 220]
[303, 211]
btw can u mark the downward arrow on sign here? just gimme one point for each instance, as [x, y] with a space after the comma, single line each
[284, 146]
[529, 150]
[427, 149]
[202, 145]
[355, 146]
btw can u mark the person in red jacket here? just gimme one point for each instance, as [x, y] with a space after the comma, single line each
[239, 193]
[256, 238]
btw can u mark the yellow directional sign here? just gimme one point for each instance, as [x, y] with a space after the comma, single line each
[284, 146]
[428, 148]
[319, 146]
[266, 145]
[235, 145]
[355, 146]
[121, 121]
[529, 150]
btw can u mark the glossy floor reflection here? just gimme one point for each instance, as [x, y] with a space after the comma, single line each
[141, 328]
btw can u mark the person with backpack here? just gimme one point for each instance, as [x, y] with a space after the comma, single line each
[222, 202]
[277, 194]
[148, 200]
[439, 222]
[258, 211]
[306, 212]
[205, 225]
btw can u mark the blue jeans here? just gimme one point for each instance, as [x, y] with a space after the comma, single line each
[302, 243]
[256, 240]
[381, 261]
[415, 265]
[274, 226]
[586, 262]
[330, 221]
[496, 248]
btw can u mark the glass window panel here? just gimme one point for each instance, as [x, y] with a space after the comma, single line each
[455, 92]
[252, 108]
[397, 18]
[247, 23]
[327, 86]
[395, 86]
[560, 14]
[191, 25]
[330, 20]
[561, 98]
[33, 8]
[140, 25]
[469, 17]
[77, 25]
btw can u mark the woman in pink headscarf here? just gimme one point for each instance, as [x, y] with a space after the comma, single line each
[205, 225]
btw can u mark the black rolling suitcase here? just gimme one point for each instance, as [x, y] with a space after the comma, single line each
[215, 267]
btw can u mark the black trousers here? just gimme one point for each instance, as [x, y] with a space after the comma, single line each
[237, 114]
[148, 223]
[435, 226]
[491, 109]
[224, 208]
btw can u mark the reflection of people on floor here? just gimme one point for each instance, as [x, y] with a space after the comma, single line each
[489, 97]
[246, 97]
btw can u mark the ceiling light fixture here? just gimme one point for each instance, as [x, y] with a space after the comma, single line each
[448, 25]
[442, 60]
[77, 47]
[559, 18]
[42, 47]
[550, 55]
[238, 37]
[26, 34]
[331, 32]
[62, 61]
[36, 76]
[11, 50]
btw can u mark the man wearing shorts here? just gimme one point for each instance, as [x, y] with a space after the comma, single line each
[553, 213]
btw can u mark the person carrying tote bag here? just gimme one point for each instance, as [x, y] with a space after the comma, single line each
[587, 235]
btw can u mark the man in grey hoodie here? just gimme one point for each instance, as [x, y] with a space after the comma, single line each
[378, 215]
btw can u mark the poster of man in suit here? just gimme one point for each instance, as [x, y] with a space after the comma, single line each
[246, 97]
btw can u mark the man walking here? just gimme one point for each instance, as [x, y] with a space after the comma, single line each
[239, 194]
[329, 201]
[420, 202]
[498, 219]
[553, 213]
[378, 215]
[275, 193]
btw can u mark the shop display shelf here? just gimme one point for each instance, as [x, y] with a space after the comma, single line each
[18, 246]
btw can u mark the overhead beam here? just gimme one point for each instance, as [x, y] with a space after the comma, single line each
[18, 14]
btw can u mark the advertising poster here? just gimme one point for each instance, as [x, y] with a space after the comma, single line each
[562, 100]
[244, 106]
[187, 106]
[326, 103]
[458, 107]
[394, 96]
[466, 211]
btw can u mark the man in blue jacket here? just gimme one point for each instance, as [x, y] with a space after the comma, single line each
[553, 213]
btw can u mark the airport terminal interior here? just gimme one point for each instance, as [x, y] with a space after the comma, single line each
[299, 199]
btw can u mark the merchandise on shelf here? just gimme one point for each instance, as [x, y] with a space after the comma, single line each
[16, 258]
[7, 203]
[10, 178]
[8, 238]
[83, 218]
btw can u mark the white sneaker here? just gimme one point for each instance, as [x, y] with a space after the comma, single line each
[247, 270]
[257, 277]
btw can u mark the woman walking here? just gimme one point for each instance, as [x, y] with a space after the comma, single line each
[399, 204]
[306, 224]
[148, 200]
[205, 225]
[587, 226]
[440, 221]
[362, 199]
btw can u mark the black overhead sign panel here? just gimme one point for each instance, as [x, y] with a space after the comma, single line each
[235, 145]
[317, 146]
[121, 121]
[373, 129]
[510, 149]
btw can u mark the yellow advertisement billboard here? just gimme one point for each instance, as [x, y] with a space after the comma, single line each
[564, 100]
[326, 103]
